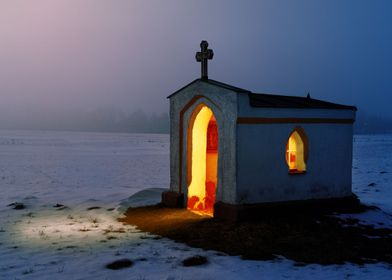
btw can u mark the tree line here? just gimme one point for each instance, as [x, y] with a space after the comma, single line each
[138, 121]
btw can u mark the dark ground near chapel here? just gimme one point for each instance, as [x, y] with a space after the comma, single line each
[305, 237]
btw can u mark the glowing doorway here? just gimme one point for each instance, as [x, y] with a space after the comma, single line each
[202, 160]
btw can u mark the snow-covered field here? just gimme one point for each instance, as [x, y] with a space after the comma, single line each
[89, 177]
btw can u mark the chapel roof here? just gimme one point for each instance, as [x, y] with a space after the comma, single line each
[284, 101]
[265, 100]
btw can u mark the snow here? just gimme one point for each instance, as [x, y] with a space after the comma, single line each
[372, 178]
[96, 176]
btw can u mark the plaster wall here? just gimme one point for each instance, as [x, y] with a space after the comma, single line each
[262, 172]
[223, 103]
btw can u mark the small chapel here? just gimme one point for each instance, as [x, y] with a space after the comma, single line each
[233, 151]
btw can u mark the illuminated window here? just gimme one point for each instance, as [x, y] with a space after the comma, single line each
[296, 151]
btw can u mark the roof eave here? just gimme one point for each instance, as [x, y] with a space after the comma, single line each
[177, 91]
[214, 83]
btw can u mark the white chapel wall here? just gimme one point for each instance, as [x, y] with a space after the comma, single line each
[224, 106]
[262, 171]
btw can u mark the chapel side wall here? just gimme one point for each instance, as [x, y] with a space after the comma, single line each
[262, 171]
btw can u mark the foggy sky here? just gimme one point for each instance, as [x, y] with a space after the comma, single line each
[73, 55]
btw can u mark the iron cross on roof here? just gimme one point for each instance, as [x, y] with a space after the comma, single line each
[203, 56]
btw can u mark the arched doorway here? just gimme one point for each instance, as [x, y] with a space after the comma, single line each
[202, 160]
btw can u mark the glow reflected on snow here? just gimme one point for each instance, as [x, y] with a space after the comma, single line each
[76, 228]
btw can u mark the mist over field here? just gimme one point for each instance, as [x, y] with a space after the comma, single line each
[105, 65]
[114, 120]
[98, 120]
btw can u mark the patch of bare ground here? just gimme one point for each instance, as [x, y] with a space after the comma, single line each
[120, 264]
[195, 261]
[305, 237]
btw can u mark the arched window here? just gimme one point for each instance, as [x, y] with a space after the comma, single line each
[297, 151]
